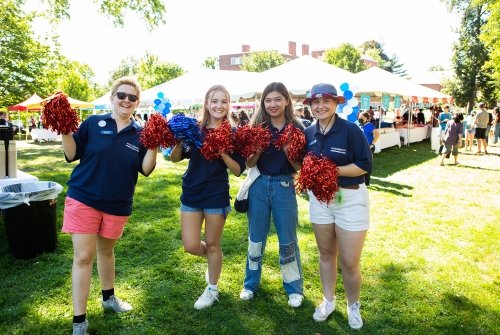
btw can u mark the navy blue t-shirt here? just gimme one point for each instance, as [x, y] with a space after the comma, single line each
[109, 165]
[273, 161]
[343, 144]
[205, 184]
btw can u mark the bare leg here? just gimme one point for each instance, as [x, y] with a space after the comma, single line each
[350, 246]
[214, 225]
[84, 250]
[191, 223]
[106, 262]
[327, 246]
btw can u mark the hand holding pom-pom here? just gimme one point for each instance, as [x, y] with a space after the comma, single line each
[58, 115]
[294, 140]
[320, 175]
[186, 129]
[218, 140]
[250, 139]
[156, 133]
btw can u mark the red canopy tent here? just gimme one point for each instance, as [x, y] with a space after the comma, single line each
[22, 106]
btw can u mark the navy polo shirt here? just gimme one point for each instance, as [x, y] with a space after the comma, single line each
[273, 161]
[109, 165]
[205, 184]
[343, 144]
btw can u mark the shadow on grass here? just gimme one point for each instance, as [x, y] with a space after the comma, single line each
[392, 160]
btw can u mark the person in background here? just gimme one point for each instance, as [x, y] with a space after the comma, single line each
[443, 120]
[307, 115]
[496, 124]
[299, 113]
[4, 121]
[339, 227]
[243, 118]
[100, 194]
[470, 130]
[272, 194]
[32, 123]
[453, 138]
[372, 135]
[205, 194]
[420, 116]
[138, 119]
[481, 122]
[488, 126]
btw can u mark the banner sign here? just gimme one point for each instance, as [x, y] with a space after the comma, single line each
[397, 101]
[365, 101]
[386, 99]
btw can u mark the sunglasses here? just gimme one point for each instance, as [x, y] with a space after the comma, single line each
[123, 95]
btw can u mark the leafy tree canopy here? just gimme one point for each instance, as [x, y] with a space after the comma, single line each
[260, 61]
[149, 70]
[151, 11]
[210, 63]
[346, 57]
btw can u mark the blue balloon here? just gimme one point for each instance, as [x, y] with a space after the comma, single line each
[157, 101]
[347, 95]
[160, 95]
[340, 107]
[344, 87]
[352, 117]
[157, 107]
[355, 109]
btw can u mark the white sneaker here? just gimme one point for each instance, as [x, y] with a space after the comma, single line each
[324, 310]
[207, 298]
[81, 328]
[116, 305]
[295, 300]
[354, 316]
[246, 294]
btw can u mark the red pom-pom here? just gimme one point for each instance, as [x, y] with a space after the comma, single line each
[296, 141]
[250, 139]
[218, 140]
[320, 175]
[58, 115]
[156, 133]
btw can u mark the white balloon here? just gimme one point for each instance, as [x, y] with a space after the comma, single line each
[353, 102]
[347, 109]
[161, 106]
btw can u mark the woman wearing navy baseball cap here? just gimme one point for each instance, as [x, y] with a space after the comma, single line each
[340, 226]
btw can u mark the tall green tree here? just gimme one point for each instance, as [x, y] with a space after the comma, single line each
[149, 70]
[151, 11]
[470, 54]
[260, 61]
[22, 58]
[490, 36]
[210, 63]
[346, 57]
[376, 51]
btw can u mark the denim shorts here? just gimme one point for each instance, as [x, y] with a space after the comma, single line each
[222, 211]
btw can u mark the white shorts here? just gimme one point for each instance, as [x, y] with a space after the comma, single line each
[352, 215]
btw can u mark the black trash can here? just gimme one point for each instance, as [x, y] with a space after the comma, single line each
[31, 229]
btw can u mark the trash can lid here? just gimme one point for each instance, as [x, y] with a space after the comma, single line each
[30, 188]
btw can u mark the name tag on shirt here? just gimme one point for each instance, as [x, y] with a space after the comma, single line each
[106, 132]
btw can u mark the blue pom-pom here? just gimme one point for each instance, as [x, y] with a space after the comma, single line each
[186, 129]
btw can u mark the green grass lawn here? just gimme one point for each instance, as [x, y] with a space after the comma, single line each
[430, 263]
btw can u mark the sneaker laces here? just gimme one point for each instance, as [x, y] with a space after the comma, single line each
[354, 312]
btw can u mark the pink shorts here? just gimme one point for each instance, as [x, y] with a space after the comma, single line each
[82, 219]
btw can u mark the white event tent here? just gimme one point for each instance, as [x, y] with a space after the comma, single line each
[191, 87]
[376, 82]
[300, 74]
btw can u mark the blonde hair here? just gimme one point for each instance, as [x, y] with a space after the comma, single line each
[205, 113]
[132, 81]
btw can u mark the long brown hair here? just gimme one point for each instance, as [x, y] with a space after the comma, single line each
[261, 116]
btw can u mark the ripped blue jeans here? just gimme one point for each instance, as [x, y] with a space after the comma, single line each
[273, 195]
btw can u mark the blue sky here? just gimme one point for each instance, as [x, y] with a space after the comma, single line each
[420, 32]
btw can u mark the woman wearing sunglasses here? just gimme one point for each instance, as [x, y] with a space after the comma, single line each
[100, 194]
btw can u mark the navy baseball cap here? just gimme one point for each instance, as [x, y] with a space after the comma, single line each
[323, 90]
